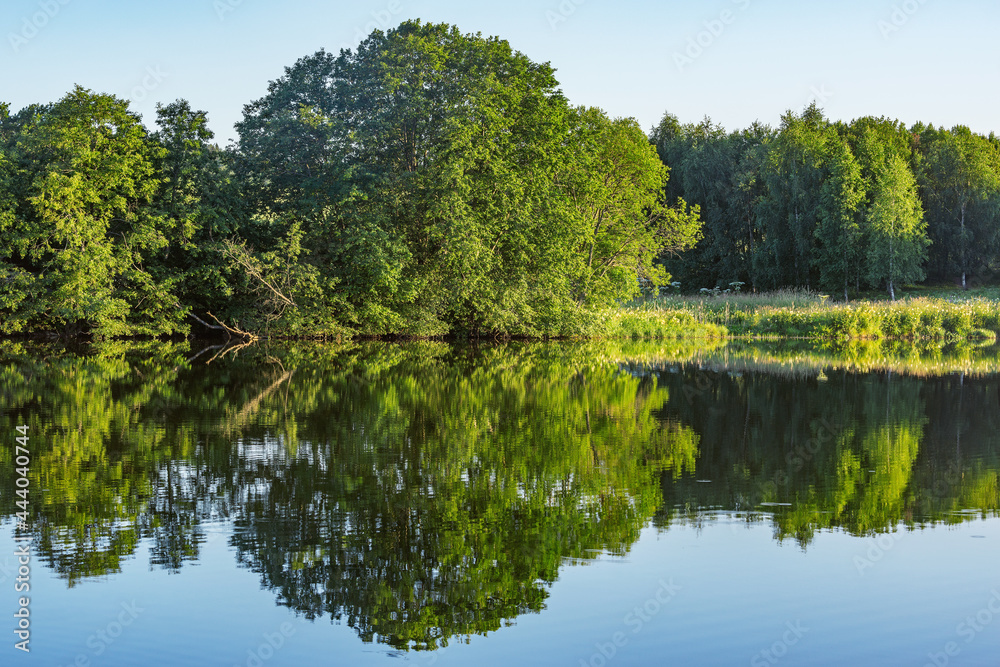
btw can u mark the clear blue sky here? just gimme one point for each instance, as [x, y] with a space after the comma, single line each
[926, 60]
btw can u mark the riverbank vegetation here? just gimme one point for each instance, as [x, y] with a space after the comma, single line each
[426, 183]
[433, 183]
[802, 314]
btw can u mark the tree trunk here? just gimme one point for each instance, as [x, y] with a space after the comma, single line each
[892, 274]
[847, 274]
[964, 285]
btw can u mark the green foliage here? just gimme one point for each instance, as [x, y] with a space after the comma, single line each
[839, 256]
[833, 451]
[458, 205]
[840, 207]
[719, 174]
[894, 228]
[432, 182]
[445, 487]
[793, 173]
[79, 241]
[645, 323]
[427, 183]
[616, 197]
[960, 180]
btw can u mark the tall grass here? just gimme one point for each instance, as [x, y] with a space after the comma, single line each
[741, 301]
[800, 314]
[653, 323]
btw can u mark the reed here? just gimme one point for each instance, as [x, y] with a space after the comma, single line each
[799, 314]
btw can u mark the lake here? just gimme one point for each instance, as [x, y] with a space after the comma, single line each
[578, 504]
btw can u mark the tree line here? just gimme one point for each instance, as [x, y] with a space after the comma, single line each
[834, 206]
[431, 182]
[428, 182]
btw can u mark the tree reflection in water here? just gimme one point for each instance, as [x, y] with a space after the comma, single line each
[421, 492]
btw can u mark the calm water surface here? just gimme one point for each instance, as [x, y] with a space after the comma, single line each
[558, 504]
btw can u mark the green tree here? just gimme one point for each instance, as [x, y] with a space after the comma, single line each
[751, 146]
[84, 232]
[720, 174]
[707, 172]
[673, 141]
[793, 174]
[10, 292]
[895, 229]
[202, 208]
[960, 180]
[616, 192]
[839, 251]
[443, 147]
[308, 204]
[438, 186]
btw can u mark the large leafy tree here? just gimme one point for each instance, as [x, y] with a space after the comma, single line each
[427, 158]
[893, 229]
[185, 169]
[673, 142]
[707, 173]
[432, 177]
[463, 152]
[82, 235]
[17, 286]
[10, 295]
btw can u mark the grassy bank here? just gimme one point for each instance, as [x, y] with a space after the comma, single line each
[646, 323]
[799, 314]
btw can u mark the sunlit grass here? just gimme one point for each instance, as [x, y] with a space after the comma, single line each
[801, 314]
[654, 324]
